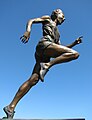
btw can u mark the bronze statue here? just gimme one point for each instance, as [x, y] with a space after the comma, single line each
[48, 47]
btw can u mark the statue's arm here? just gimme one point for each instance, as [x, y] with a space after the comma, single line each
[76, 42]
[36, 20]
[71, 45]
[26, 35]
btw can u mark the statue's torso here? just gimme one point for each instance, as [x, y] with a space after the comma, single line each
[50, 35]
[50, 30]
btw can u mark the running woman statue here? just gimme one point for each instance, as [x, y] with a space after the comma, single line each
[48, 47]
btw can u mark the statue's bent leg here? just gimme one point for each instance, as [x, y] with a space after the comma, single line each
[61, 54]
[24, 88]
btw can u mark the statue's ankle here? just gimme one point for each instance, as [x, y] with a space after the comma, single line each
[11, 108]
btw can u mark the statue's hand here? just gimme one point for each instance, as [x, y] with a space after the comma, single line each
[25, 37]
[79, 40]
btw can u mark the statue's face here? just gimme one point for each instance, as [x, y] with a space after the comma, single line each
[60, 17]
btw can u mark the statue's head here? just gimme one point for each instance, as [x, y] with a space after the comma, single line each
[58, 14]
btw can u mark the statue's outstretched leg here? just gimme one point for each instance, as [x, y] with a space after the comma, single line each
[61, 54]
[33, 80]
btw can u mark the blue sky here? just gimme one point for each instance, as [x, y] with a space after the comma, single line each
[67, 90]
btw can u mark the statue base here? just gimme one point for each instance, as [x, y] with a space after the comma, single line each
[45, 119]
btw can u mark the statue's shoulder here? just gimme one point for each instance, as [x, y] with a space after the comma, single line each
[46, 17]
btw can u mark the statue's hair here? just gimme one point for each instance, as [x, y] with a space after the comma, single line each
[55, 13]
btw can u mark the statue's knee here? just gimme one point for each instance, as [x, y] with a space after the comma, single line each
[34, 79]
[75, 55]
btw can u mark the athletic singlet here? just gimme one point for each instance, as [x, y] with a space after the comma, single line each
[51, 32]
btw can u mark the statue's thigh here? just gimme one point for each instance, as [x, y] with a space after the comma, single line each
[55, 50]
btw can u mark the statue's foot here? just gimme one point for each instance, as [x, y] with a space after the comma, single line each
[4, 118]
[43, 71]
[9, 113]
